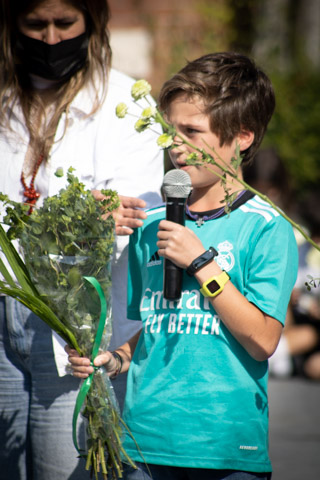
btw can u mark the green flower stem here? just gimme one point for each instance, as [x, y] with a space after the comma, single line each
[282, 213]
[102, 458]
[115, 463]
[89, 458]
[94, 465]
[166, 126]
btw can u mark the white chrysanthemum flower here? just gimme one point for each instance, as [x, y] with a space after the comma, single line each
[141, 125]
[165, 140]
[140, 89]
[121, 110]
[149, 112]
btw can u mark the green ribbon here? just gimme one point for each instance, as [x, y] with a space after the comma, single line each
[85, 387]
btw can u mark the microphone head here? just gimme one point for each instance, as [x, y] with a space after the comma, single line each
[176, 184]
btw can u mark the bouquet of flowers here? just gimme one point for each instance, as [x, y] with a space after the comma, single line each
[63, 276]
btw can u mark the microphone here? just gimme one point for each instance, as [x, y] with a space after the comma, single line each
[176, 189]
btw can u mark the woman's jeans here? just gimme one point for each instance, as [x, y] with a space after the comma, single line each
[162, 472]
[36, 405]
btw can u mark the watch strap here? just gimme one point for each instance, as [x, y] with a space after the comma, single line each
[215, 285]
[201, 261]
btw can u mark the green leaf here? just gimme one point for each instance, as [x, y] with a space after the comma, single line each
[6, 275]
[15, 262]
[37, 306]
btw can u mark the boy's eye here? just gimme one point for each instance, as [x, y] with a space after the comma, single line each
[191, 131]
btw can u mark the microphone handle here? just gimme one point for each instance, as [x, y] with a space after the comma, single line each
[172, 285]
[175, 210]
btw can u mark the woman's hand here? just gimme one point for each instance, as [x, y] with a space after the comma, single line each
[128, 215]
[178, 243]
[81, 367]
[115, 363]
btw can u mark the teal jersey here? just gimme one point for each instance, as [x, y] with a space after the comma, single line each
[195, 397]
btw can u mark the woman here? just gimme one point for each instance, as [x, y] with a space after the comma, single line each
[58, 96]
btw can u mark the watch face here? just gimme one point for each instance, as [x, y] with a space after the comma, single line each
[213, 286]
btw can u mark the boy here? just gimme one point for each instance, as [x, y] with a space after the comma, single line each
[197, 386]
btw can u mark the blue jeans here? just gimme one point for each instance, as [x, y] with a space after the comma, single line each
[163, 472]
[36, 405]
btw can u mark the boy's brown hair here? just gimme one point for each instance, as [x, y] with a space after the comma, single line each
[237, 95]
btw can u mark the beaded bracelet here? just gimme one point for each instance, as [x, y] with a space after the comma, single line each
[119, 361]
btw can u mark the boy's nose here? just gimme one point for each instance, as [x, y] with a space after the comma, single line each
[178, 143]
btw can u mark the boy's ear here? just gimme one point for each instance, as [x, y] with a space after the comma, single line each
[245, 139]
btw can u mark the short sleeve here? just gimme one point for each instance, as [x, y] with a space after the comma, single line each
[134, 277]
[272, 270]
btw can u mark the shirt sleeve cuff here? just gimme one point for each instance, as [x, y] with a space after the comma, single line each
[60, 355]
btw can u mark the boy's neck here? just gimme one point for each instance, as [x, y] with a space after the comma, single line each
[212, 197]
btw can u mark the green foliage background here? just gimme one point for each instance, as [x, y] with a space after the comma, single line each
[294, 130]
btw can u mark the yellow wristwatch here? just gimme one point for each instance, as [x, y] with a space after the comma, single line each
[215, 285]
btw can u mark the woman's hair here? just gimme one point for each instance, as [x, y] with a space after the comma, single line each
[236, 95]
[16, 88]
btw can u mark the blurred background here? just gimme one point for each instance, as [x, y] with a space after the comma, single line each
[153, 39]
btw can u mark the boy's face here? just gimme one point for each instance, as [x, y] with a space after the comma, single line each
[186, 115]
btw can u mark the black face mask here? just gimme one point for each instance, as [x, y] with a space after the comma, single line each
[53, 62]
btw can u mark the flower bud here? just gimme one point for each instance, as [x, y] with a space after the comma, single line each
[165, 140]
[141, 125]
[140, 89]
[121, 110]
[148, 113]
[59, 172]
